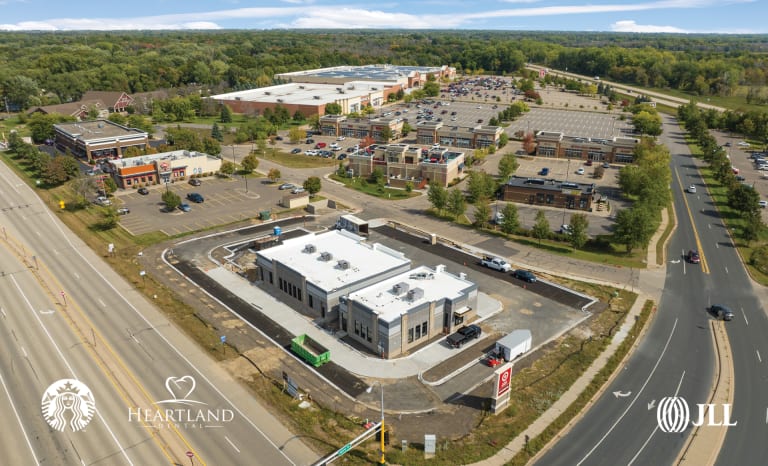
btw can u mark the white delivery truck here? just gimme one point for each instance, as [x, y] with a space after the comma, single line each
[514, 344]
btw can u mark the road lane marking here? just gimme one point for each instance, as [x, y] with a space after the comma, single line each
[758, 356]
[230, 442]
[745, 315]
[71, 370]
[704, 266]
[639, 392]
[679, 384]
[102, 303]
[18, 419]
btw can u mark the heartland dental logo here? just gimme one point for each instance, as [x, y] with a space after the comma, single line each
[68, 403]
[188, 416]
[673, 415]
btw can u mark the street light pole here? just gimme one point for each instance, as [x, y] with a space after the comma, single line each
[383, 460]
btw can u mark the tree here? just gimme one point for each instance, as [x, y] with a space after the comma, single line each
[332, 109]
[456, 203]
[507, 165]
[109, 185]
[647, 123]
[752, 227]
[386, 134]
[249, 163]
[274, 175]
[377, 176]
[511, 221]
[482, 213]
[744, 199]
[480, 185]
[225, 115]
[312, 185]
[108, 219]
[216, 132]
[541, 228]
[438, 196]
[296, 134]
[227, 168]
[529, 143]
[171, 200]
[579, 225]
[634, 227]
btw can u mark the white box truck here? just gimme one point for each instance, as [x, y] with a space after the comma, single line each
[514, 344]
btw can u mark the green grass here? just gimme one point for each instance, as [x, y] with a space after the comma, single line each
[373, 189]
[601, 252]
[661, 244]
[731, 217]
[733, 102]
[295, 160]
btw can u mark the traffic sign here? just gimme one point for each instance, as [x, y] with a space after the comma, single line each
[223, 339]
[345, 449]
[190, 454]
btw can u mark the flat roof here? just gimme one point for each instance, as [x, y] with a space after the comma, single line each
[549, 184]
[147, 159]
[379, 72]
[303, 93]
[364, 260]
[389, 304]
[96, 129]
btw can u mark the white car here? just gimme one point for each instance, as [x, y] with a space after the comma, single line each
[580, 171]
[743, 144]
[692, 189]
[310, 152]
[101, 200]
[340, 138]
[763, 204]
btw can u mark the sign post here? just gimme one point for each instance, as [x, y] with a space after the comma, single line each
[224, 343]
[501, 388]
[191, 457]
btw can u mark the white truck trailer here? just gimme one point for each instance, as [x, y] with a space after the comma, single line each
[514, 344]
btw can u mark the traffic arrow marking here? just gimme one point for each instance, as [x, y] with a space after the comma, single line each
[677, 261]
[618, 394]
[651, 405]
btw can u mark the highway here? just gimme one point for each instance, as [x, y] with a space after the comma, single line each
[158, 397]
[676, 357]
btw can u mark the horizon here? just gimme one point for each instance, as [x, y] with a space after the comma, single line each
[732, 17]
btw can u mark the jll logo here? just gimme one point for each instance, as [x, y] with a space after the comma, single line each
[673, 415]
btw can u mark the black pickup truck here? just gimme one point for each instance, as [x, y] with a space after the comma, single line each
[463, 335]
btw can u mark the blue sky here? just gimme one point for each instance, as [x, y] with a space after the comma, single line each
[678, 16]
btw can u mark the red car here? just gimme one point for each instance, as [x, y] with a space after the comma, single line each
[693, 257]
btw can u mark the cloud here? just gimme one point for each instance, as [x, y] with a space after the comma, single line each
[631, 26]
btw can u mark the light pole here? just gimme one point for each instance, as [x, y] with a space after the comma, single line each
[369, 390]
[565, 203]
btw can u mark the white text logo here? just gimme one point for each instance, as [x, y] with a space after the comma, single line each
[673, 415]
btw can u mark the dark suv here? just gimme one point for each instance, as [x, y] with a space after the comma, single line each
[463, 335]
[525, 275]
[195, 197]
[721, 312]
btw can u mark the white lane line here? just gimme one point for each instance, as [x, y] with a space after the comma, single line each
[717, 245]
[655, 428]
[758, 356]
[639, 392]
[233, 445]
[102, 303]
[745, 316]
[3, 312]
[69, 367]
[18, 419]
[766, 415]
[726, 269]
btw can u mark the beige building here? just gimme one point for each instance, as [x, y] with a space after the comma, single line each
[166, 167]
[558, 145]
[402, 163]
[98, 139]
[360, 128]
[430, 132]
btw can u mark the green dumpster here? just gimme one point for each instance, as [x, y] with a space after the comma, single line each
[264, 215]
[310, 350]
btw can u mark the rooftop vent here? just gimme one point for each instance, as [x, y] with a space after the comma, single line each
[422, 276]
[310, 248]
[280, 101]
[400, 288]
[316, 97]
[267, 93]
[343, 265]
[301, 87]
[415, 294]
[326, 256]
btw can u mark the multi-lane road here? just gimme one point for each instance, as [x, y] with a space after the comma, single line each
[156, 397]
[676, 358]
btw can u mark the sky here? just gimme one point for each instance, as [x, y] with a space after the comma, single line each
[665, 16]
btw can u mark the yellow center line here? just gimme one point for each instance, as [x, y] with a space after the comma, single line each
[702, 256]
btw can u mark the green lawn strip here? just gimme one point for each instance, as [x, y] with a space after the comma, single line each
[359, 184]
[599, 251]
[295, 160]
[661, 244]
[536, 385]
[731, 217]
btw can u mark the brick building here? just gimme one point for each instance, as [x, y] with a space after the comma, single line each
[402, 163]
[98, 139]
[558, 145]
[551, 193]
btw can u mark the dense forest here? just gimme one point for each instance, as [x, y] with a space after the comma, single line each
[47, 68]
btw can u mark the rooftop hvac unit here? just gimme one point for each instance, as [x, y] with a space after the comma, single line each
[301, 87]
[267, 93]
[400, 288]
[422, 276]
[310, 248]
[343, 265]
[316, 97]
[326, 256]
[280, 101]
[416, 293]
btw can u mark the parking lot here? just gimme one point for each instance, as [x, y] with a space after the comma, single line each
[572, 123]
[741, 159]
[226, 201]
